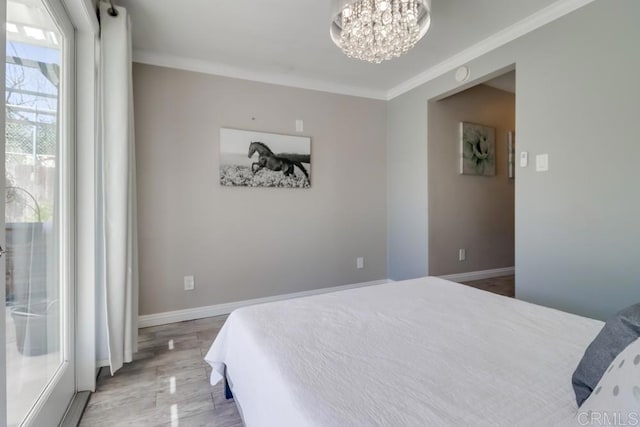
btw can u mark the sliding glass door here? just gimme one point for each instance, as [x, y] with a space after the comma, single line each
[38, 206]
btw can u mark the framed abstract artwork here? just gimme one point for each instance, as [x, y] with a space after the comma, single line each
[477, 149]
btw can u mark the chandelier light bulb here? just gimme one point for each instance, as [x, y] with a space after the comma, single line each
[379, 30]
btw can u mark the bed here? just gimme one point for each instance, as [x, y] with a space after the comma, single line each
[425, 352]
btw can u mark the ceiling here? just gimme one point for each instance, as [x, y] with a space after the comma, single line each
[282, 41]
[506, 82]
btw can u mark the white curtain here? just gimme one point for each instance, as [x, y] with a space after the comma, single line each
[117, 239]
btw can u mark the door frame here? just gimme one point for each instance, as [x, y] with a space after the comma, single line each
[58, 393]
[85, 20]
[3, 296]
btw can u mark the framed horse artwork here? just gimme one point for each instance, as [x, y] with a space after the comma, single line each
[259, 159]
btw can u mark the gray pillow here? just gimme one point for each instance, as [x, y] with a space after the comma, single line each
[619, 331]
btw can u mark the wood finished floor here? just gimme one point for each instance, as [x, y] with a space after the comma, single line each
[498, 285]
[166, 385]
[168, 382]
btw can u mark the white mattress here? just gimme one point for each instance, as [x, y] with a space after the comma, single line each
[424, 352]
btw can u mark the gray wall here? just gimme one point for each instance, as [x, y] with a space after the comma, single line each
[578, 225]
[471, 212]
[243, 243]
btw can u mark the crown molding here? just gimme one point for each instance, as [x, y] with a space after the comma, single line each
[224, 70]
[520, 28]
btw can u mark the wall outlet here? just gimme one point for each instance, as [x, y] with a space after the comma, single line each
[462, 255]
[189, 283]
[360, 263]
[299, 125]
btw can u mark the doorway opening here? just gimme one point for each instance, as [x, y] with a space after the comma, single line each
[472, 185]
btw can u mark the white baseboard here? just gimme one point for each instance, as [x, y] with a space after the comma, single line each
[156, 319]
[479, 275]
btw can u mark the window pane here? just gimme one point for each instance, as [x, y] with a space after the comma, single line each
[34, 351]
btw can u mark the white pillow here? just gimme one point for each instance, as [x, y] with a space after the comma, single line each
[616, 399]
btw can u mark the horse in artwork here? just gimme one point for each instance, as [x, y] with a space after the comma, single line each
[275, 162]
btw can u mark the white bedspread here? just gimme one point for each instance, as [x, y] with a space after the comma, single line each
[424, 352]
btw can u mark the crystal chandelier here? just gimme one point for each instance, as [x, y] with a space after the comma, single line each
[377, 30]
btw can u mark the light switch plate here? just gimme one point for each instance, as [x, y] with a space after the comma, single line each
[360, 263]
[542, 162]
[299, 126]
[524, 159]
[189, 283]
